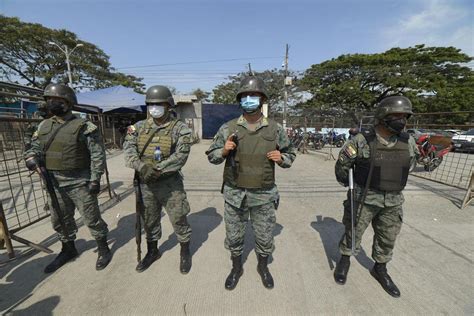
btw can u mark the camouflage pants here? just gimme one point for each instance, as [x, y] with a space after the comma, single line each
[386, 222]
[168, 193]
[262, 218]
[69, 199]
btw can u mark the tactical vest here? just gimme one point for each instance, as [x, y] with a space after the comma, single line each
[391, 165]
[161, 138]
[253, 170]
[66, 151]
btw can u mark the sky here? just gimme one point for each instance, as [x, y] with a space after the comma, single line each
[199, 43]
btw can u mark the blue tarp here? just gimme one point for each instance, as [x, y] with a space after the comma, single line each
[118, 99]
[214, 115]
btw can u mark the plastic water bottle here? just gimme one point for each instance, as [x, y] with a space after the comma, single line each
[157, 153]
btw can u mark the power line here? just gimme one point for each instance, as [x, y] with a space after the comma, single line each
[200, 62]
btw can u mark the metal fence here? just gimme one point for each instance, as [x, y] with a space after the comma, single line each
[23, 201]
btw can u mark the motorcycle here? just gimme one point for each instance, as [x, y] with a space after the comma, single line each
[337, 140]
[318, 140]
[430, 155]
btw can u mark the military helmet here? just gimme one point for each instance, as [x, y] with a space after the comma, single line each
[393, 105]
[251, 84]
[159, 94]
[60, 91]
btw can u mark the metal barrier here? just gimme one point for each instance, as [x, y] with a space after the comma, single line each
[23, 201]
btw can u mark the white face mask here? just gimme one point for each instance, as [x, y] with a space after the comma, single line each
[156, 111]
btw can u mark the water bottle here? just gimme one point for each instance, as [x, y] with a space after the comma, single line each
[157, 153]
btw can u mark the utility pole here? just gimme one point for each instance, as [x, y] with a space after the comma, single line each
[286, 84]
[67, 53]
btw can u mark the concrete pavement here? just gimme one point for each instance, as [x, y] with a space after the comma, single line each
[433, 259]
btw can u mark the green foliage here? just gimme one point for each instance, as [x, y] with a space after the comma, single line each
[26, 55]
[432, 77]
[201, 95]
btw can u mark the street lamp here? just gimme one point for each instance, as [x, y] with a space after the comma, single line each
[67, 53]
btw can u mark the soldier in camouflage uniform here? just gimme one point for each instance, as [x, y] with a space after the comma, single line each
[250, 145]
[161, 181]
[75, 159]
[381, 158]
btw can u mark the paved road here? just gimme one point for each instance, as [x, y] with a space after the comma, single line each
[433, 262]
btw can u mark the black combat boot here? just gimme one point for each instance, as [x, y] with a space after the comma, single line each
[262, 269]
[68, 253]
[185, 261]
[379, 272]
[342, 268]
[235, 273]
[104, 254]
[151, 256]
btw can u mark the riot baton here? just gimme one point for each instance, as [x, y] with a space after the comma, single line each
[139, 209]
[351, 193]
[44, 174]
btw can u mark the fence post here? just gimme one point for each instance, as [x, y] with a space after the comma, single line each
[469, 192]
[6, 234]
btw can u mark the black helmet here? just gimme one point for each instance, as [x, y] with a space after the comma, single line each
[392, 105]
[159, 94]
[60, 91]
[251, 84]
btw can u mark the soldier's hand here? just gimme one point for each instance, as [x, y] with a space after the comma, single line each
[275, 156]
[94, 187]
[31, 163]
[229, 146]
[149, 174]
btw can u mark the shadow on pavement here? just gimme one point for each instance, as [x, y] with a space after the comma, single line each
[44, 307]
[330, 232]
[447, 193]
[202, 224]
[123, 233]
[25, 276]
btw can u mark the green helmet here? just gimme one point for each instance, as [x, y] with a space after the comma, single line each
[392, 105]
[159, 94]
[60, 91]
[251, 84]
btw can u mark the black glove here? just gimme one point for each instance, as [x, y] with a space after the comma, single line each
[94, 187]
[32, 163]
[149, 174]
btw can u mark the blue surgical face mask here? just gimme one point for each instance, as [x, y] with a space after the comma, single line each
[250, 103]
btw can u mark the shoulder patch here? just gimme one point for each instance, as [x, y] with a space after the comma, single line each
[90, 127]
[350, 151]
[35, 135]
[131, 130]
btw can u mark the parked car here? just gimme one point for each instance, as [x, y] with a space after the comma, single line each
[464, 141]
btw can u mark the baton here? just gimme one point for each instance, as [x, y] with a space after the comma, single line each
[351, 192]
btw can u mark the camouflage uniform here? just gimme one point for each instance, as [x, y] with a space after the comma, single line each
[382, 209]
[259, 204]
[168, 190]
[71, 185]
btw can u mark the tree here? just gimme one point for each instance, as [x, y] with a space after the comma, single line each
[432, 77]
[201, 95]
[274, 82]
[26, 56]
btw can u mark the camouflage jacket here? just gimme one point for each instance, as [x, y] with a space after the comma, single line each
[181, 137]
[255, 197]
[357, 147]
[90, 135]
